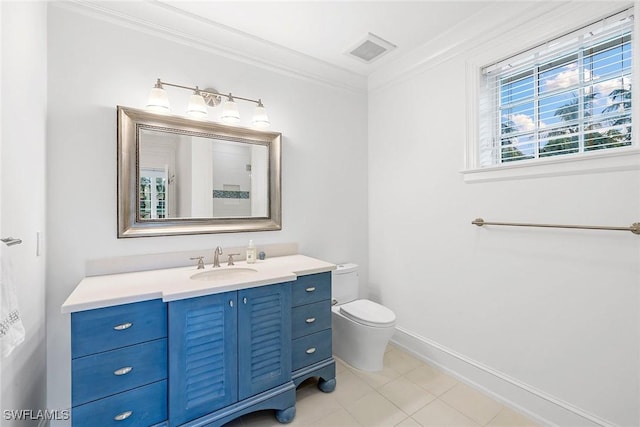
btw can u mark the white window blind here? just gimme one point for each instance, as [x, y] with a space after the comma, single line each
[570, 96]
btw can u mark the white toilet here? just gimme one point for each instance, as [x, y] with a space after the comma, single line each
[361, 328]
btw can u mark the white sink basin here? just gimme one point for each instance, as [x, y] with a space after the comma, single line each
[224, 274]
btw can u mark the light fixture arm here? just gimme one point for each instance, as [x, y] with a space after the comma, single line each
[201, 98]
[208, 91]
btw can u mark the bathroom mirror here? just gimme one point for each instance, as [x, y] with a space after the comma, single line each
[187, 176]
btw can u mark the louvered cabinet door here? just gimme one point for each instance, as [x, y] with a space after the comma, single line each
[264, 338]
[202, 356]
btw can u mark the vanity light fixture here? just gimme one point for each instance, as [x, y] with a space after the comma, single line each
[260, 117]
[230, 113]
[201, 98]
[158, 99]
[197, 106]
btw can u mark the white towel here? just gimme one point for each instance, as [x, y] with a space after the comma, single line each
[11, 327]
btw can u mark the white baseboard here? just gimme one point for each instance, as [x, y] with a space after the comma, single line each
[535, 404]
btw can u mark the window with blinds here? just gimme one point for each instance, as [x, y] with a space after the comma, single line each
[569, 96]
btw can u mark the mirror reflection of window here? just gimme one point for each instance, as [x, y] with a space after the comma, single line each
[153, 194]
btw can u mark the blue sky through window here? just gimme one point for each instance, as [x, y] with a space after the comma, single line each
[581, 99]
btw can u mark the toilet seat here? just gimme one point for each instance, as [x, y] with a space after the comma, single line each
[368, 313]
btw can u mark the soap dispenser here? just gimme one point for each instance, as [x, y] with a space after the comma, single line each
[251, 253]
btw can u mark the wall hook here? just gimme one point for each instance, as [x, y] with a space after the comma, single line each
[10, 241]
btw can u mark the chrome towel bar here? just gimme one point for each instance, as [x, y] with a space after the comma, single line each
[634, 228]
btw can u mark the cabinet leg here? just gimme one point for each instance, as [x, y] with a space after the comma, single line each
[285, 416]
[327, 386]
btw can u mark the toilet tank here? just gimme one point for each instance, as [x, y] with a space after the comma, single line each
[344, 283]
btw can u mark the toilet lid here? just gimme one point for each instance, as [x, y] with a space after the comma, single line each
[368, 313]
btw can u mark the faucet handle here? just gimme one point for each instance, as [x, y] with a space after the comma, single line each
[200, 261]
[230, 260]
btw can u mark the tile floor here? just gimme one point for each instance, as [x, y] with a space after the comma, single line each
[406, 393]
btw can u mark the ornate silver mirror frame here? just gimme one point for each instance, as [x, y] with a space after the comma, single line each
[130, 224]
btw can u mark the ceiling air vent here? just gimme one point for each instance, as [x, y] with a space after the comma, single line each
[371, 48]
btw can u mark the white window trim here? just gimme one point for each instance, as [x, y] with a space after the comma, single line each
[546, 28]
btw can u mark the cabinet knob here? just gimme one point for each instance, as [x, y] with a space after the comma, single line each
[123, 416]
[311, 350]
[230, 303]
[310, 289]
[123, 371]
[244, 300]
[310, 320]
[123, 326]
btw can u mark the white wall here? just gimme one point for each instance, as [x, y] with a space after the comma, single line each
[94, 66]
[23, 100]
[555, 312]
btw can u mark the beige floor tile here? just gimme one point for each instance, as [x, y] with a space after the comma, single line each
[379, 378]
[349, 388]
[431, 379]
[374, 410]
[403, 394]
[472, 403]
[406, 395]
[340, 365]
[313, 405]
[264, 418]
[408, 422]
[510, 418]
[400, 361]
[340, 418]
[438, 413]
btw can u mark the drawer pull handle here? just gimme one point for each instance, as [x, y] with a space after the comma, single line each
[310, 320]
[123, 326]
[123, 371]
[310, 289]
[311, 350]
[123, 416]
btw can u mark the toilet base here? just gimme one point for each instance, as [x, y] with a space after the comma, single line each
[358, 345]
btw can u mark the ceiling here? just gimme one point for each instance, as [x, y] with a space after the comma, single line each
[311, 38]
[326, 30]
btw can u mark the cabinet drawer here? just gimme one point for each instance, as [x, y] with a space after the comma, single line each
[103, 374]
[311, 349]
[310, 318]
[102, 329]
[143, 406]
[311, 288]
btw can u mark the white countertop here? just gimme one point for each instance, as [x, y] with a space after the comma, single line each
[175, 283]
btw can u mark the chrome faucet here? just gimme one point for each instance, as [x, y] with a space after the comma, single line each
[216, 253]
[200, 261]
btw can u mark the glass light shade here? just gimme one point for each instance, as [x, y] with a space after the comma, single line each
[260, 118]
[230, 113]
[197, 107]
[158, 100]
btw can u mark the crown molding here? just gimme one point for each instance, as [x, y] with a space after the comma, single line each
[165, 21]
[489, 25]
[486, 27]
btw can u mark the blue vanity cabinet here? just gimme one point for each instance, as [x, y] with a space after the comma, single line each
[229, 354]
[119, 365]
[264, 334]
[311, 331]
[202, 356]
